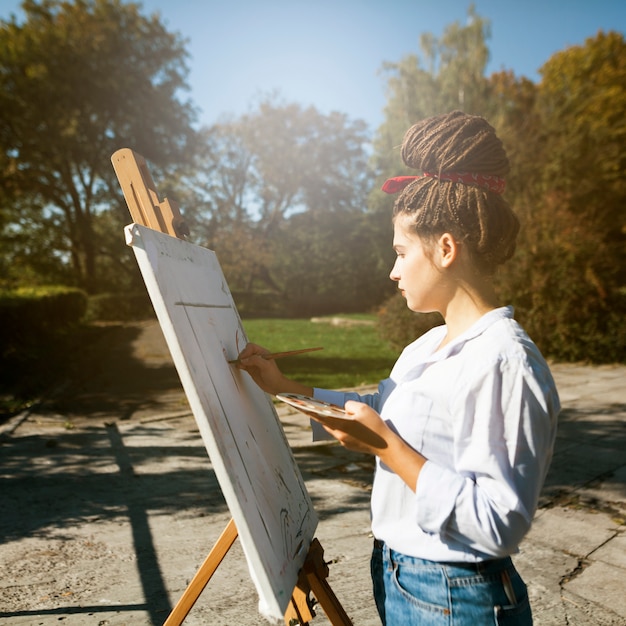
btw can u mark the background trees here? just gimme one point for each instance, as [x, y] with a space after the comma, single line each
[449, 74]
[567, 144]
[284, 206]
[288, 197]
[78, 81]
[569, 276]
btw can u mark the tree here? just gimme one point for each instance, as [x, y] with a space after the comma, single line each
[447, 75]
[582, 103]
[326, 263]
[277, 175]
[569, 278]
[78, 80]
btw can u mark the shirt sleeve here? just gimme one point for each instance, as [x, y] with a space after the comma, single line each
[505, 424]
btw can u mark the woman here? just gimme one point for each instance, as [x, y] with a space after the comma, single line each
[463, 429]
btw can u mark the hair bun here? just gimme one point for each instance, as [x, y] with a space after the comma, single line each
[454, 142]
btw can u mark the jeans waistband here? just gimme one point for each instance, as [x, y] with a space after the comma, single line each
[479, 566]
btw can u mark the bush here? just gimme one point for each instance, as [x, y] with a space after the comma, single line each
[259, 304]
[567, 289]
[34, 326]
[120, 307]
[566, 330]
[399, 326]
[26, 314]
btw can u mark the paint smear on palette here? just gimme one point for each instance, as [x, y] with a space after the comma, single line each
[313, 407]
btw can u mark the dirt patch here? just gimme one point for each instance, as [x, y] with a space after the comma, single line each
[342, 321]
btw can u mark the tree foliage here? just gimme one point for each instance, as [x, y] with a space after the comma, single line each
[449, 74]
[285, 191]
[566, 140]
[78, 80]
[289, 198]
[569, 279]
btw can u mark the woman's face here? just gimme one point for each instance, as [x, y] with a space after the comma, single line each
[419, 279]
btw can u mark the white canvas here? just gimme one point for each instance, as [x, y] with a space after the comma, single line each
[239, 426]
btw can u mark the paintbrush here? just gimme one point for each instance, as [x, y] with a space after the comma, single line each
[279, 355]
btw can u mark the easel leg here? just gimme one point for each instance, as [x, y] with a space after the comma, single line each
[313, 579]
[299, 610]
[203, 575]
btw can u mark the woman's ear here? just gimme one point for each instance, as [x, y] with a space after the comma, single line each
[448, 248]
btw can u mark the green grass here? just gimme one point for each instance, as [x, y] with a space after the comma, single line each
[352, 355]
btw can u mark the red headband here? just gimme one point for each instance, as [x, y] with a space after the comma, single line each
[486, 181]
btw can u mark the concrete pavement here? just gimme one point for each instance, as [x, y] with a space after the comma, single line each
[106, 517]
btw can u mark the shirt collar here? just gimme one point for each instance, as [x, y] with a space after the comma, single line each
[430, 342]
[476, 329]
[479, 327]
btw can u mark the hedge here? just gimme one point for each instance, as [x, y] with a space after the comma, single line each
[116, 307]
[28, 314]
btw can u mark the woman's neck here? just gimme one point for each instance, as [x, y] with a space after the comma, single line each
[466, 307]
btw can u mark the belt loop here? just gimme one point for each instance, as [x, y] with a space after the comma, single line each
[388, 557]
[386, 554]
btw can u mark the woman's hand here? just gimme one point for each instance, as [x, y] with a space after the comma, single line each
[363, 430]
[266, 374]
[367, 432]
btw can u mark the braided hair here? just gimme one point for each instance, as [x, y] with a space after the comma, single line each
[474, 215]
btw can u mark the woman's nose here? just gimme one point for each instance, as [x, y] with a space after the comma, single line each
[394, 274]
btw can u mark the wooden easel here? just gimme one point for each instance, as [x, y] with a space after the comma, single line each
[312, 579]
[148, 210]
[142, 196]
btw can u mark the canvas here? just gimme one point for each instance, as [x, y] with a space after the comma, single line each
[246, 444]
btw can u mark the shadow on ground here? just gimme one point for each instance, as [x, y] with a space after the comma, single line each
[53, 483]
[588, 456]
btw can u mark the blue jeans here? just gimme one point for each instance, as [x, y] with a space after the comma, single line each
[410, 592]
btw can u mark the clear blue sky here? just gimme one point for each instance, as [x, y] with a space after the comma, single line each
[328, 53]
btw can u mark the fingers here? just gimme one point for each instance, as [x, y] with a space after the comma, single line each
[251, 358]
[356, 436]
[252, 349]
[358, 410]
[364, 432]
[264, 372]
[352, 406]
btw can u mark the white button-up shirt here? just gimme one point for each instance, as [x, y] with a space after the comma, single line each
[483, 412]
